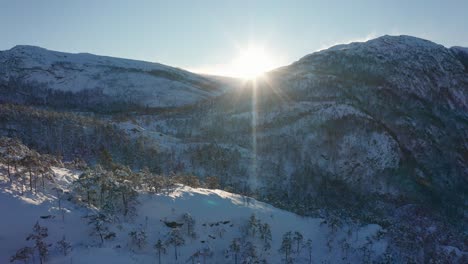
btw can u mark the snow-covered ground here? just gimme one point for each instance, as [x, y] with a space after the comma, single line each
[145, 83]
[219, 218]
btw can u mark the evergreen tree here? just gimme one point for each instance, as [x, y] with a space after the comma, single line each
[176, 239]
[308, 246]
[64, 246]
[38, 235]
[286, 246]
[126, 190]
[298, 239]
[86, 183]
[105, 159]
[190, 223]
[235, 247]
[138, 238]
[265, 235]
[249, 255]
[161, 248]
[252, 225]
[98, 223]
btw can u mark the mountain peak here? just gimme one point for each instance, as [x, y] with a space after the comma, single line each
[23, 48]
[387, 43]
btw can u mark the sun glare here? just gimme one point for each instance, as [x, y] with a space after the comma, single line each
[252, 62]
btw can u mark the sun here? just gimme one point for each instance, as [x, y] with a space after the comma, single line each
[252, 62]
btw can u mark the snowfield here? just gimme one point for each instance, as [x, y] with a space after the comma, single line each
[219, 218]
[143, 83]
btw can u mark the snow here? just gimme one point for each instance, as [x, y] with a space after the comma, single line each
[150, 84]
[209, 208]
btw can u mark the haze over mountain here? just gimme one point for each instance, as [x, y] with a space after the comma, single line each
[373, 134]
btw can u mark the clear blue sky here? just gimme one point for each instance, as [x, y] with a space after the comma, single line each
[201, 34]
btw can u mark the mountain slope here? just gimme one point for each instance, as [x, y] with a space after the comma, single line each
[384, 116]
[99, 79]
[220, 217]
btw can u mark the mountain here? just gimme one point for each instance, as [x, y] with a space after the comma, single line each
[387, 116]
[371, 131]
[45, 77]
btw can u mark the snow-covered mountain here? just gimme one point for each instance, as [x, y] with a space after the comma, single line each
[116, 80]
[376, 131]
[385, 116]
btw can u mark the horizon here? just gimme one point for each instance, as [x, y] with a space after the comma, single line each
[223, 39]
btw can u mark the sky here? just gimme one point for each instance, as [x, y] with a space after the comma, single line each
[211, 36]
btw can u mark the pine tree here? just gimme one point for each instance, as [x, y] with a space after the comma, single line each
[265, 235]
[98, 223]
[252, 225]
[190, 223]
[286, 246]
[138, 238]
[298, 238]
[235, 247]
[308, 246]
[161, 248]
[64, 246]
[126, 190]
[105, 159]
[176, 239]
[31, 162]
[38, 235]
[86, 184]
[59, 193]
[250, 254]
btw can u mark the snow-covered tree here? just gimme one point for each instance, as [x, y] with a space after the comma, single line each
[31, 163]
[160, 248]
[252, 225]
[286, 246]
[176, 239]
[138, 238]
[64, 246]
[265, 235]
[298, 240]
[308, 247]
[105, 159]
[126, 190]
[249, 254]
[86, 184]
[99, 227]
[190, 223]
[235, 248]
[38, 235]
[59, 193]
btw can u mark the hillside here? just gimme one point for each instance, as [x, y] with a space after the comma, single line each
[387, 116]
[39, 76]
[219, 218]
